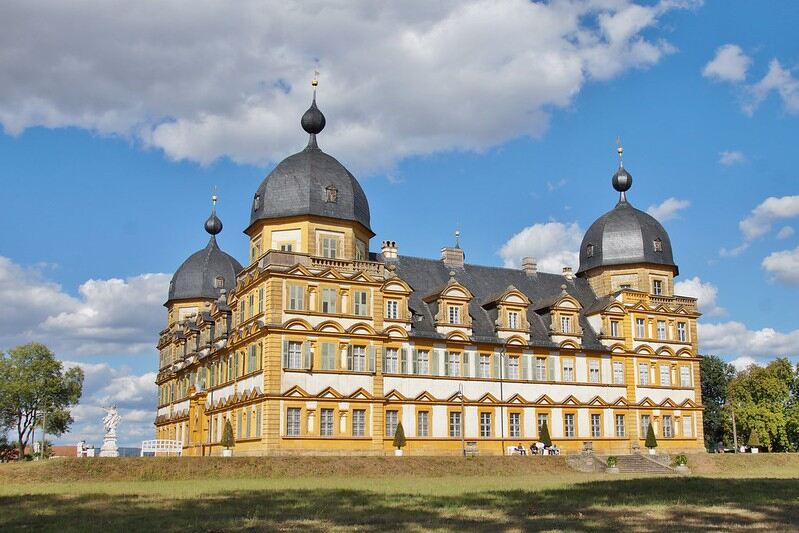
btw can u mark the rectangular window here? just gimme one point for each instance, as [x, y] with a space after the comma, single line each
[640, 328]
[391, 422]
[258, 421]
[568, 425]
[485, 424]
[665, 375]
[326, 423]
[542, 419]
[643, 374]
[596, 425]
[453, 364]
[359, 306]
[645, 421]
[294, 355]
[485, 366]
[252, 359]
[293, 422]
[593, 371]
[614, 328]
[286, 247]
[685, 376]
[620, 430]
[540, 369]
[423, 362]
[422, 424]
[454, 314]
[358, 422]
[657, 287]
[239, 425]
[330, 247]
[668, 430]
[328, 356]
[513, 319]
[392, 358]
[618, 373]
[565, 324]
[661, 330]
[242, 310]
[329, 300]
[515, 425]
[359, 358]
[687, 426]
[296, 297]
[568, 370]
[513, 368]
[454, 424]
[392, 309]
[682, 334]
[249, 424]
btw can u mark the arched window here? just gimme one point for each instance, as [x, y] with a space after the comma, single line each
[219, 282]
[589, 250]
[331, 194]
[657, 245]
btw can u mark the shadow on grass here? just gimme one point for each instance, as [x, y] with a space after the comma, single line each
[651, 504]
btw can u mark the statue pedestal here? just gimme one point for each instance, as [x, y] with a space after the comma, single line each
[109, 448]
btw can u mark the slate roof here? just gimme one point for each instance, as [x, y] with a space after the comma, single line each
[427, 275]
[195, 277]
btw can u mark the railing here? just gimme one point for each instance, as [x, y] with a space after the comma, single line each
[672, 300]
[161, 446]
[348, 265]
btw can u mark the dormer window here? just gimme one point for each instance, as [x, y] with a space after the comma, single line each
[219, 282]
[454, 314]
[331, 194]
[589, 250]
[513, 320]
[565, 324]
[657, 244]
[256, 203]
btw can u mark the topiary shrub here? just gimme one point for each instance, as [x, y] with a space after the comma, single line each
[681, 460]
[227, 436]
[544, 437]
[651, 441]
[754, 440]
[399, 437]
[612, 461]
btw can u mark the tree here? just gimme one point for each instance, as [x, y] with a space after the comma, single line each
[651, 440]
[227, 435]
[33, 388]
[715, 378]
[754, 440]
[544, 436]
[399, 437]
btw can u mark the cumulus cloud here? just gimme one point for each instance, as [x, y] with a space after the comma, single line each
[667, 209]
[200, 80]
[785, 232]
[762, 218]
[731, 158]
[783, 266]
[729, 64]
[552, 244]
[734, 339]
[110, 316]
[779, 80]
[743, 362]
[705, 293]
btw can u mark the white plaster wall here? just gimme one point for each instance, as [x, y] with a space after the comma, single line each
[409, 421]
[606, 369]
[609, 429]
[251, 383]
[580, 368]
[313, 384]
[529, 422]
[472, 423]
[583, 428]
[440, 422]
[555, 423]
[658, 395]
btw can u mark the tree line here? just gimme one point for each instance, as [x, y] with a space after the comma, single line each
[764, 400]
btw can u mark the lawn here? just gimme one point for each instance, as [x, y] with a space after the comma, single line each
[394, 494]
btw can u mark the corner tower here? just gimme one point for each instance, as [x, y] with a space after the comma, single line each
[310, 203]
[627, 248]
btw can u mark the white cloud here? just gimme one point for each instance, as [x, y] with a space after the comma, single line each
[705, 293]
[555, 185]
[783, 266]
[201, 80]
[731, 158]
[553, 245]
[667, 209]
[743, 362]
[729, 64]
[777, 79]
[109, 316]
[761, 219]
[785, 232]
[734, 339]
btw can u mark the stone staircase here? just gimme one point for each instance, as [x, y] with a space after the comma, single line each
[641, 464]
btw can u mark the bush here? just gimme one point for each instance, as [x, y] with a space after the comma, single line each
[681, 460]
[544, 436]
[399, 437]
[651, 441]
[227, 435]
[612, 461]
[754, 440]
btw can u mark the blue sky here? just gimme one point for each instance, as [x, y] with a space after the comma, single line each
[499, 119]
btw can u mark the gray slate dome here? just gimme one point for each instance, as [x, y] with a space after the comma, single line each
[197, 276]
[625, 235]
[311, 182]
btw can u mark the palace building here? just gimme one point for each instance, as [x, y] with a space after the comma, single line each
[321, 346]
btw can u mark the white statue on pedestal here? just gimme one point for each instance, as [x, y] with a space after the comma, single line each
[110, 422]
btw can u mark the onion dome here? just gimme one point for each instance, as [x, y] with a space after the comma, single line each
[625, 235]
[311, 183]
[206, 272]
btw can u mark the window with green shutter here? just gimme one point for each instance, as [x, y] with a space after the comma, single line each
[328, 356]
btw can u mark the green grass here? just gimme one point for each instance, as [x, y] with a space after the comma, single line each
[419, 495]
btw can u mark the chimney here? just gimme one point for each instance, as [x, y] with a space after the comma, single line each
[529, 266]
[389, 250]
[567, 273]
[453, 256]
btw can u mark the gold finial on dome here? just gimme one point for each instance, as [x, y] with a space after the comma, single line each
[620, 151]
[315, 80]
